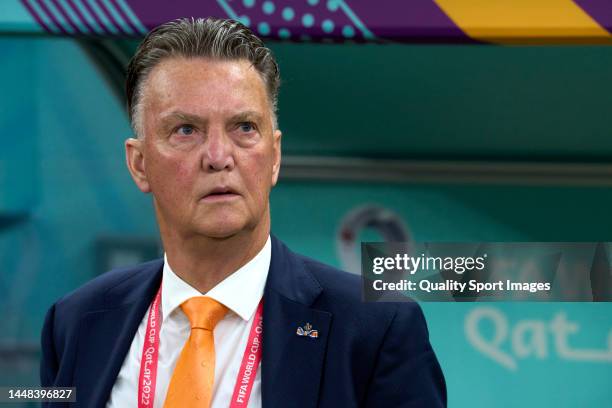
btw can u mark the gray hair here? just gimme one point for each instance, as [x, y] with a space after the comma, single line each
[208, 38]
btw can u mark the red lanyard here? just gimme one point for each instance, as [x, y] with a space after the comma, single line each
[250, 362]
[150, 350]
[148, 362]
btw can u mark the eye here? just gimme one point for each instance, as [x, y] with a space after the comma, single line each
[185, 130]
[246, 127]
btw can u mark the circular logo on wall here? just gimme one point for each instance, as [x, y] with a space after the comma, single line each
[383, 221]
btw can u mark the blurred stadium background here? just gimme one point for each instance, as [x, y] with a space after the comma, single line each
[383, 138]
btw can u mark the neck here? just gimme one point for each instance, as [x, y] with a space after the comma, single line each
[204, 262]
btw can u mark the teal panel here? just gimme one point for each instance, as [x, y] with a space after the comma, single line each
[444, 212]
[446, 101]
[19, 161]
[529, 366]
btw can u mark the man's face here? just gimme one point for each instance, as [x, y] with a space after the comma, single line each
[209, 154]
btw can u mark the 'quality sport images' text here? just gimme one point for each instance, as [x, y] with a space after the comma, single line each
[411, 264]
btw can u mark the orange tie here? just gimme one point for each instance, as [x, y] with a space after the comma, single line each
[191, 384]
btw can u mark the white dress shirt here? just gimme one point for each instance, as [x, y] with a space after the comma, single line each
[241, 293]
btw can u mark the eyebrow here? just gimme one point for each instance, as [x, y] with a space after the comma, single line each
[183, 116]
[246, 116]
[192, 118]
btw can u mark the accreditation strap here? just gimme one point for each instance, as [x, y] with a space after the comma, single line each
[150, 351]
[250, 362]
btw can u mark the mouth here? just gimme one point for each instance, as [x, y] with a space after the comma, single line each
[220, 194]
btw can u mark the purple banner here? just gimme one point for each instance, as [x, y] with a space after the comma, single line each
[599, 10]
[414, 21]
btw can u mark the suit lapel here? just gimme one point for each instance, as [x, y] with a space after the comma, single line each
[105, 335]
[291, 364]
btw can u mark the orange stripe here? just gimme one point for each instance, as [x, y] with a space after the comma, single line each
[524, 21]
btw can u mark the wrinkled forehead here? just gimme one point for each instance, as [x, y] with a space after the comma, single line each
[209, 83]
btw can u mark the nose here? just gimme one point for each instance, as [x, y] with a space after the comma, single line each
[218, 151]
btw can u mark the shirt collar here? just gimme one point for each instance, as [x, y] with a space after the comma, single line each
[240, 292]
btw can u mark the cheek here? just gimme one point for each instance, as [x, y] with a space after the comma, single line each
[182, 169]
[257, 172]
[170, 177]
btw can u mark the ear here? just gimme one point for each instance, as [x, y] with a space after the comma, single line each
[134, 158]
[276, 146]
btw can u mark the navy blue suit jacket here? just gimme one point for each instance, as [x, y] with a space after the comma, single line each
[366, 355]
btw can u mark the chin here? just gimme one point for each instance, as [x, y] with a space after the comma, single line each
[222, 230]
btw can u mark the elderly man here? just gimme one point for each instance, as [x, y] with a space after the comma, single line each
[230, 316]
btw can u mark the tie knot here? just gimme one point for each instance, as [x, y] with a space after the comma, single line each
[203, 312]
